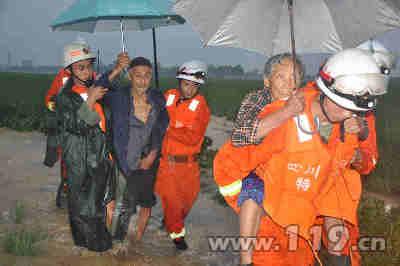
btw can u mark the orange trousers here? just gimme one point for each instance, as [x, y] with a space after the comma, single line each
[275, 247]
[177, 185]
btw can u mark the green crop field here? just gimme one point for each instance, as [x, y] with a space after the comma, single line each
[223, 96]
[22, 108]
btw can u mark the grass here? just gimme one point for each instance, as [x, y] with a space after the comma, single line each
[386, 176]
[21, 242]
[24, 88]
[18, 213]
[223, 96]
[374, 221]
[22, 98]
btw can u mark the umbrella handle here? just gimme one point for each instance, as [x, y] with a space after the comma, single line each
[122, 29]
[304, 130]
[122, 35]
[293, 42]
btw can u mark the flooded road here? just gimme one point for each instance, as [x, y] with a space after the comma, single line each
[24, 178]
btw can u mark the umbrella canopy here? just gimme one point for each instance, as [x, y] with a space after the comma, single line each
[263, 25]
[104, 15]
[118, 15]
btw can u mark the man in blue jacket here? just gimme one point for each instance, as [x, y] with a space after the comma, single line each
[139, 121]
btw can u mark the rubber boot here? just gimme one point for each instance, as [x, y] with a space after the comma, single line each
[180, 243]
[61, 197]
[342, 260]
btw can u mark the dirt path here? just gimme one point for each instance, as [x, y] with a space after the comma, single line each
[219, 130]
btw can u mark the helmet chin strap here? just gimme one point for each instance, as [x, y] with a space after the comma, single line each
[322, 97]
[182, 99]
[186, 98]
[88, 83]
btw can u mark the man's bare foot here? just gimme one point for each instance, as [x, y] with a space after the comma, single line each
[77, 250]
[144, 215]
[120, 248]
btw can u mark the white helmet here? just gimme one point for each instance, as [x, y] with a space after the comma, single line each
[75, 52]
[385, 59]
[195, 71]
[352, 79]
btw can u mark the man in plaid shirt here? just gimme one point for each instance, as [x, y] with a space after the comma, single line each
[247, 123]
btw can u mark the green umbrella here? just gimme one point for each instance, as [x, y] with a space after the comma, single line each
[118, 15]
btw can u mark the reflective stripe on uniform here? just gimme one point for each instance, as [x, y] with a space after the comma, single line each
[64, 80]
[178, 235]
[51, 106]
[231, 189]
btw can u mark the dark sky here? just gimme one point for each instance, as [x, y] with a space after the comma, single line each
[25, 33]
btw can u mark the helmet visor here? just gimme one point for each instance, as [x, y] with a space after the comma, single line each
[367, 101]
[198, 75]
[361, 84]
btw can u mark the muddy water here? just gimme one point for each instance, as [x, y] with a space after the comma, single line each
[23, 177]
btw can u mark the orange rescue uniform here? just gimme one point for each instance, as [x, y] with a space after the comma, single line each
[178, 179]
[368, 147]
[304, 178]
[57, 83]
[82, 91]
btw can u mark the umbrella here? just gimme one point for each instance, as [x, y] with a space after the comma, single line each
[118, 15]
[263, 25]
[269, 26]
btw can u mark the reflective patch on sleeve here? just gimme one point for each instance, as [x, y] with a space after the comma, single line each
[374, 161]
[84, 96]
[305, 124]
[64, 79]
[193, 105]
[170, 99]
[231, 189]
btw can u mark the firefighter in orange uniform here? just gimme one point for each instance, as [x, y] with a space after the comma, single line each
[307, 164]
[178, 180]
